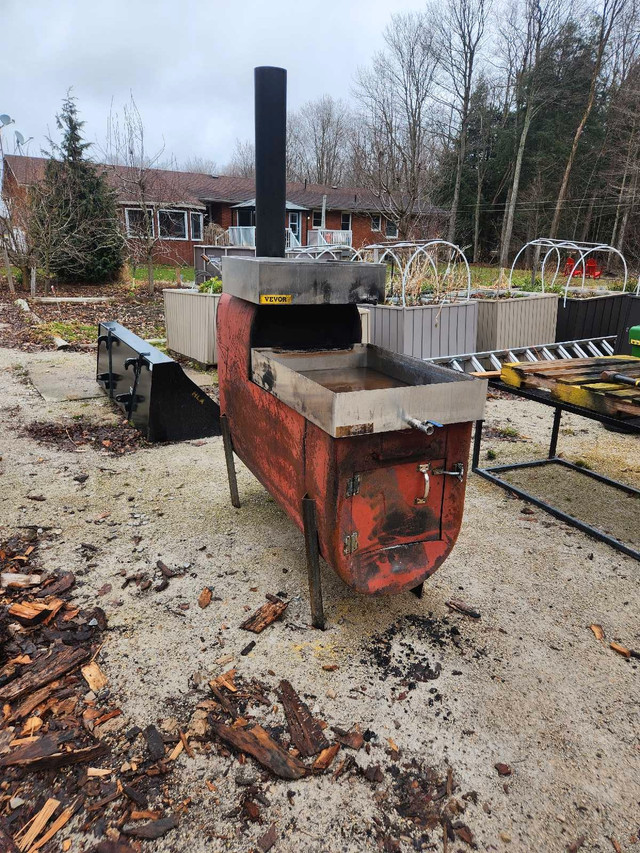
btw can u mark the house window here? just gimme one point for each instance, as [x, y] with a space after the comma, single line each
[196, 226]
[345, 222]
[391, 229]
[317, 219]
[139, 222]
[375, 221]
[172, 224]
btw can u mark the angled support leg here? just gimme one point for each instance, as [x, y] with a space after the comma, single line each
[417, 590]
[313, 561]
[228, 455]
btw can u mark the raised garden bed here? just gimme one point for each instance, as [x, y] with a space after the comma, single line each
[425, 331]
[516, 321]
[591, 316]
[191, 324]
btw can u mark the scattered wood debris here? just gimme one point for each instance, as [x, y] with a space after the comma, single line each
[258, 743]
[621, 650]
[462, 607]
[265, 615]
[598, 631]
[306, 732]
[204, 600]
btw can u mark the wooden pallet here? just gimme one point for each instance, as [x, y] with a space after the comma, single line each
[578, 381]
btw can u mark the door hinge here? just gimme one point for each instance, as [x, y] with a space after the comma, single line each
[353, 485]
[350, 543]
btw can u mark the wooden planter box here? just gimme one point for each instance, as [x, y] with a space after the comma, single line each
[425, 331]
[519, 321]
[190, 319]
[591, 318]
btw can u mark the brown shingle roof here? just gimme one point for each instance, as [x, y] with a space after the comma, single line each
[192, 188]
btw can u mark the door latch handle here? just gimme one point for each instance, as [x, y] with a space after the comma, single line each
[424, 469]
[458, 471]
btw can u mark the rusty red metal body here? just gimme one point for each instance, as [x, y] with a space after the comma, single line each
[372, 528]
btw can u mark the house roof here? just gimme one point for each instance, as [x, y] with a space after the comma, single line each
[191, 189]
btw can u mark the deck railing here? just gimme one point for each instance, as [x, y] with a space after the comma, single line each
[245, 235]
[329, 237]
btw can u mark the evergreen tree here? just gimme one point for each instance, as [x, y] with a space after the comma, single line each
[76, 209]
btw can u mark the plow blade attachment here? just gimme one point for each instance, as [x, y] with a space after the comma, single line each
[152, 389]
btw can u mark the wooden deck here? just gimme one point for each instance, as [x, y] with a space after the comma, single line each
[578, 381]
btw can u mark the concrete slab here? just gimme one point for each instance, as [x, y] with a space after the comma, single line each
[202, 380]
[68, 376]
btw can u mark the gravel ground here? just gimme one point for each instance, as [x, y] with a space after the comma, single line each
[527, 685]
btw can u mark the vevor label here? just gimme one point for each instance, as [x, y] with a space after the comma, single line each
[275, 299]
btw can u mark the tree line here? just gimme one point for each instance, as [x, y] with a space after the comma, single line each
[519, 119]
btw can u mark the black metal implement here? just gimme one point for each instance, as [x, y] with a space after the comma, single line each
[271, 155]
[152, 389]
[493, 473]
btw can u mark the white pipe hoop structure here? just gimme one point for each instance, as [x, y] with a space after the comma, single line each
[554, 245]
[422, 249]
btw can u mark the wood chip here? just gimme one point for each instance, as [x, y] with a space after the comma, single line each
[462, 607]
[30, 613]
[353, 738]
[45, 754]
[175, 752]
[622, 650]
[15, 580]
[265, 615]
[63, 818]
[503, 769]
[154, 743]
[266, 841]
[94, 676]
[598, 631]
[204, 600]
[263, 748]
[23, 839]
[615, 844]
[306, 734]
[324, 760]
[225, 680]
[154, 829]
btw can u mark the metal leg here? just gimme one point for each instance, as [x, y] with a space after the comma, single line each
[557, 415]
[477, 441]
[417, 590]
[313, 561]
[228, 455]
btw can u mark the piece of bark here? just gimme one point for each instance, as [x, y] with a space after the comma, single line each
[59, 585]
[204, 599]
[31, 613]
[154, 743]
[263, 748]
[248, 648]
[621, 650]
[462, 607]
[306, 733]
[30, 703]
[266, 841]
[136, 796]
[46, 669]
[373, 773]
[152, 830]
[15, 580]
[45, 754]
[166, 571]
[94, 676]
[265, 615]
[598, 631]
[464, 833]
[324, 760]
[503, 769]
[7, 844]
[353, 738]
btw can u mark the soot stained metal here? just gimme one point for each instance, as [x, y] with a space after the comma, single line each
[365, 450]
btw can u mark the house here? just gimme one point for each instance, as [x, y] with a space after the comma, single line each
[184, 203]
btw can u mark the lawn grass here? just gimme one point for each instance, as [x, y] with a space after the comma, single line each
[164, 272]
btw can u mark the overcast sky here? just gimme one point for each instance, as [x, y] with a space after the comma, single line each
[189, 64]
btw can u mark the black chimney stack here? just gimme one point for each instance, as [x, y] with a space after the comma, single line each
[271, 152]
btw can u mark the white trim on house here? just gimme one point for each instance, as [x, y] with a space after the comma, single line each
[139, 210]
[193, 213]
[173, 212]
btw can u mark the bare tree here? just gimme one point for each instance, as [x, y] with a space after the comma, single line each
[460, 27]
[243, 161]
[141, 184]
[529, 32]
[393, 145]
[318, 145]
[611, 11]
[200, 165]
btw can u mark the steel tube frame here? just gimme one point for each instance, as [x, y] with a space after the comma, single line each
[492, 473]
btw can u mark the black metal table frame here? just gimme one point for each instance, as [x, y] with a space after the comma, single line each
[492, 473]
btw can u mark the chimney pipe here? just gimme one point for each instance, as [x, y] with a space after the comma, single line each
[271, 152]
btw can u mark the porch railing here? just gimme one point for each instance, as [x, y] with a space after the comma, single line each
[329, 237]
[245, 235]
